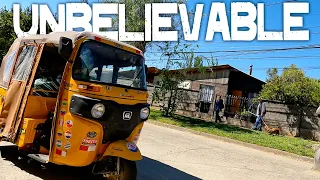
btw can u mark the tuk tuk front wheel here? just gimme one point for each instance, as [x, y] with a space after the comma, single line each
[127, 170]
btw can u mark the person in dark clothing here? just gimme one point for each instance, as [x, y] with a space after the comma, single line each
[219, 107]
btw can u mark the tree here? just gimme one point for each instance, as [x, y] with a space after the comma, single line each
[135, 18]
[170, 92]
[292, 87]
[7, 34]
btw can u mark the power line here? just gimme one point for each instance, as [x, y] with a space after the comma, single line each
[281, 68]
[266, 5]
[316, 46]
[248, 58]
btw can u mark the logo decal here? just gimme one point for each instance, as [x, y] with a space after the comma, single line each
[64, 103]
[127, 115]
[68, 134]
[91, 134]
[89, 141]
[59, 143]
[63, 112]
[69, 124]
[88, 145]
[132, 147]
[60, 133]
[67, 145]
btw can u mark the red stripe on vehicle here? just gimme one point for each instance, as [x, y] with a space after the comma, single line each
[58, 151]
[84, 148]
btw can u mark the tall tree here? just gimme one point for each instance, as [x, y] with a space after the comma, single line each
[292, 87]
[7, 34]
[135, 18]
[170, 91]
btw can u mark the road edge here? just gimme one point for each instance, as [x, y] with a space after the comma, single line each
[220, 138]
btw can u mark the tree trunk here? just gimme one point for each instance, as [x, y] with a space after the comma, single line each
[169, 103]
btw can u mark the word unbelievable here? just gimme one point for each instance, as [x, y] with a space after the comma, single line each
[92, 19]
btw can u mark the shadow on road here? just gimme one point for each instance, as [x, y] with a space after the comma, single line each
[148, 169]
[153, 170]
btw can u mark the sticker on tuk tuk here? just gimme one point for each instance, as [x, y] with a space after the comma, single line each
[67, 145]
[60, 133]
[64, 103]
[87, 148]
[68, 134]
[89, 141]
[61, 153]
[132, 147]
[91, 134]
[61, 122]
[63, 112]
[59, 143]
[69, 123]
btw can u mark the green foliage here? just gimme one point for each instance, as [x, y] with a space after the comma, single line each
[169, 94]
[135, 18]
[7, 34]
[292, 87]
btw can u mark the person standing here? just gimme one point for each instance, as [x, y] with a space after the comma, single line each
[219, 107]
[261, 111]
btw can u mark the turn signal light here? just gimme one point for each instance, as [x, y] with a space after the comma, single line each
[89, 88]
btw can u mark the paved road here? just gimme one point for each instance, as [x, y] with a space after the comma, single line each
[171, 154]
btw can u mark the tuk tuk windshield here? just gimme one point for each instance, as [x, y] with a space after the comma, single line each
[101, 63]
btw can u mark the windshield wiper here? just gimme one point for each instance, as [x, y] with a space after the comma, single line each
[136, 76]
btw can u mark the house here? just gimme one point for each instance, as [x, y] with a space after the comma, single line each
[223, 80]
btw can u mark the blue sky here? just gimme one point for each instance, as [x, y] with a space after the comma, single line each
[308, 60]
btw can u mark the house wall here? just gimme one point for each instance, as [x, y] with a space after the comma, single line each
[245, 83]
[218, 79]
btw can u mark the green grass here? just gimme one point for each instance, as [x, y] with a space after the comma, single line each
[292, 145]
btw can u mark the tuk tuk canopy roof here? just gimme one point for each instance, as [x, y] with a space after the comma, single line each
[54, 38]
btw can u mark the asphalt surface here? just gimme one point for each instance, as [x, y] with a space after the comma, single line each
[172, 154]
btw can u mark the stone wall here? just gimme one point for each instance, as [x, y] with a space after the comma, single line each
[293, 121]
[186, 105]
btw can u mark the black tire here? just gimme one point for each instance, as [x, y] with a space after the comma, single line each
[128, 170]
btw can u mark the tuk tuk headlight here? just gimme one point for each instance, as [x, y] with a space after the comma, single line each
[144, 113]
[97, 110]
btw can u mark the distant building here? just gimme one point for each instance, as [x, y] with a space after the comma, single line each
[223, 80]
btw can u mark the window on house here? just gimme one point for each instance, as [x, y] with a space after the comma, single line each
[206, 97]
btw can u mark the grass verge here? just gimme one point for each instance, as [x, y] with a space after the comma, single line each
[292, 145]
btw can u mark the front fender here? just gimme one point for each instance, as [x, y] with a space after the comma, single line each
[124, 149]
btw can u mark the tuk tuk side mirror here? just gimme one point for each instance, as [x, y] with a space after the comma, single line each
[65, 47]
